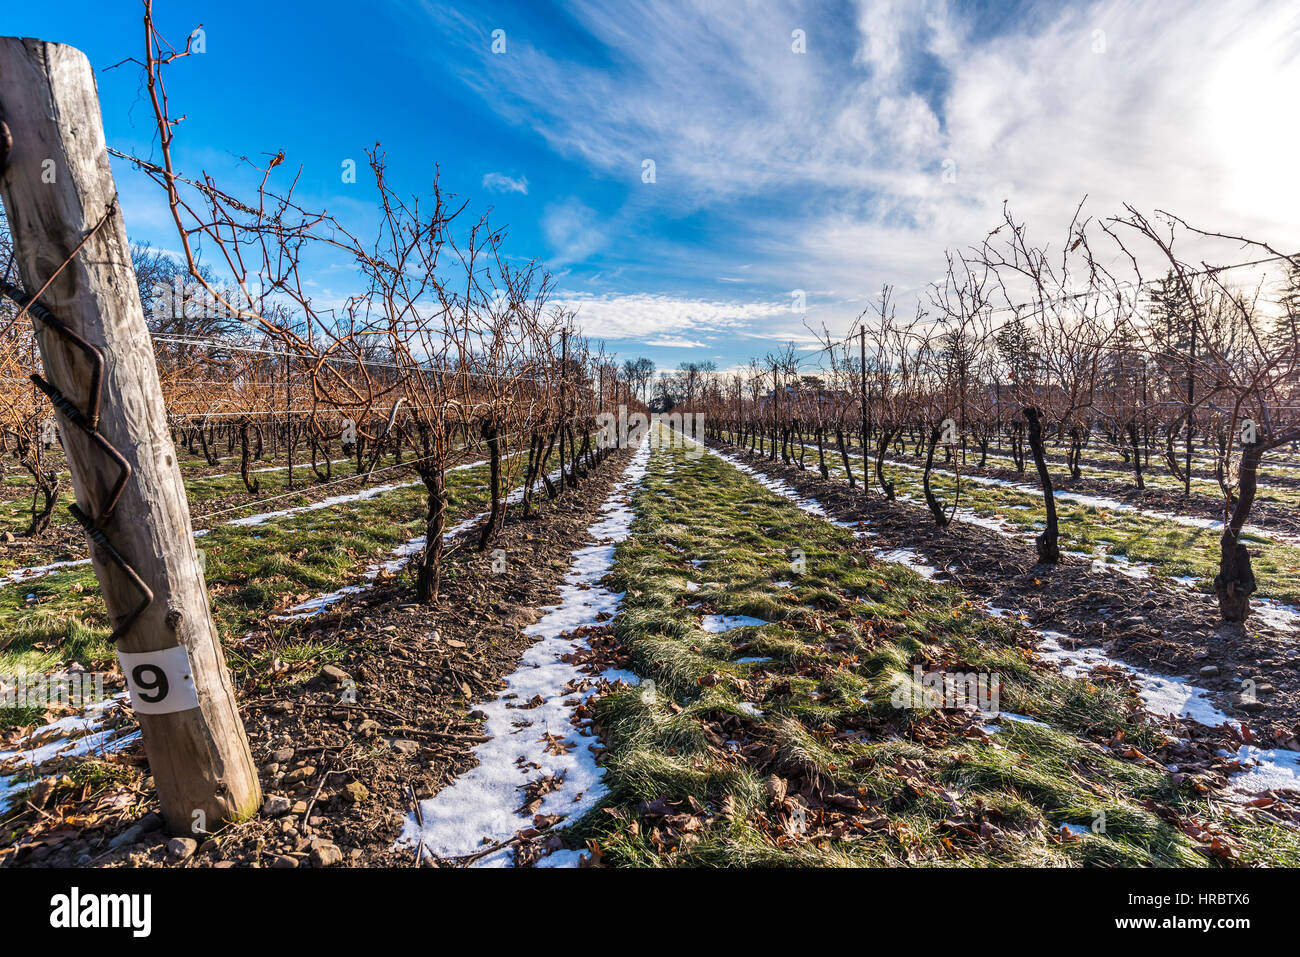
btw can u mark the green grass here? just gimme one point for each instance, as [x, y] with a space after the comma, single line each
[1174, 550]
[38, 641]
[204, 492]
[252, 571]
[691, 766]
[1153, 477]
[24, 716]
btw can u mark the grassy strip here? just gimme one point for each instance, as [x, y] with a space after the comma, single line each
[15, 513]
[1173, 550]
[1282, 496]
[252, 571]
[804, 759]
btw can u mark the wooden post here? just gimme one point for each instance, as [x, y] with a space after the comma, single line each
[564, 408]
[288, 415]
[862, 384]
[776, 412]
[1191, 401]
[57, 187]
[740, 415]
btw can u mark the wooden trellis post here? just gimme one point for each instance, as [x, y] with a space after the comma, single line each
[99, 370]
[862, 384]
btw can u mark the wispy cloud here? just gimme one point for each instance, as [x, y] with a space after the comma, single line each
[573, 230]
[675, 344]
[645, 317]
[899, 133]
[501, 183]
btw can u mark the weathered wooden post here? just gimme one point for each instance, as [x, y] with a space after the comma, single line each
[862, 386]
[99, 371]
[564, 408]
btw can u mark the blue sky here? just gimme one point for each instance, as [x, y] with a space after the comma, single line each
[775, 170]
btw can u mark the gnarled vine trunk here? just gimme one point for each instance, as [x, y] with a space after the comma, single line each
[1048, 540]
[1235, 582]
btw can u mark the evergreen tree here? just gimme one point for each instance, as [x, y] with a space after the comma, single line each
[1015, 346]
[1285, 334]
[1171, 319]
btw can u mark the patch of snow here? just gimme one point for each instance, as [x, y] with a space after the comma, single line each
[77, 736]
[1276, 614]
[1273, 768]
[39, 571]
[399, 557]
[1164, 695]
[482, 804]
[1115, 505]
[561, 858]
[715, 624]
[995, 525]
[1103, 562]
[333, 500]
[1161, 694]
[905, 556]
[1023, 719]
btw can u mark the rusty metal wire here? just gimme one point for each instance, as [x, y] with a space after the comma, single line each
[87, 421]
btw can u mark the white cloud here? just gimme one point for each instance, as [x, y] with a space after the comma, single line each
[675, 343]
[644, 317]
[573, 231]
[829, 164]
[501, 183]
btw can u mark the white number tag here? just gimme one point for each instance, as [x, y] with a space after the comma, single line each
[160, 682]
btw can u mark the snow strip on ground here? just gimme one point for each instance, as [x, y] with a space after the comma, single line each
[1115, 505]
[1098, 501]
[913, 560]
[716, 624]
[362, 496]
[77, 736]
[39, 571]
[1275, 768]
[1267, 610]
[1164, 695]
[482, 804]
[1156, 480]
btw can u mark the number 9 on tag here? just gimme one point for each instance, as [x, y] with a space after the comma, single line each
[160, 682]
